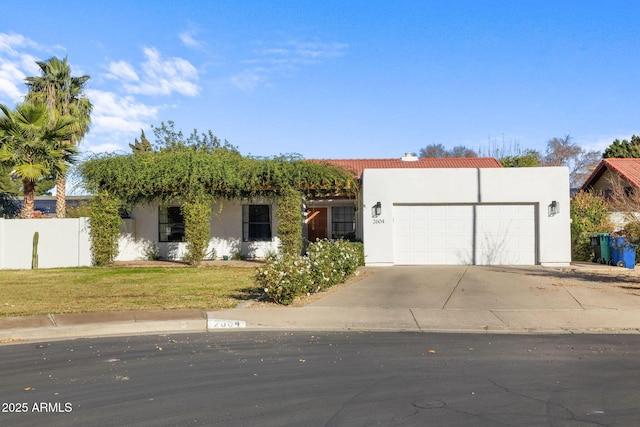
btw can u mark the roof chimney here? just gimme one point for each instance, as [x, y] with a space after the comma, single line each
[409, 157]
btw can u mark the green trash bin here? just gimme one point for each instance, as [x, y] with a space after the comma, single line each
[605, 248]
[597, 252]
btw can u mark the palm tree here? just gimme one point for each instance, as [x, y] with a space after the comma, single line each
[31, 144]
[63, 94]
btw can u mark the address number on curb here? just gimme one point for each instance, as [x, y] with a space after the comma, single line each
[226, 324]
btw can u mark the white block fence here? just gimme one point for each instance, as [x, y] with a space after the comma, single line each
[63, 242]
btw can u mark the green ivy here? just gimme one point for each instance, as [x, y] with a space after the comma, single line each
[218, 173]
[105, 228]
[197, 230]
[290, 222]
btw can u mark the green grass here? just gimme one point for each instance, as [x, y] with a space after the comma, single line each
[82, 290]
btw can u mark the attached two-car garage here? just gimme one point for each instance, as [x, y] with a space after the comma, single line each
[466, 216]
[464, 234]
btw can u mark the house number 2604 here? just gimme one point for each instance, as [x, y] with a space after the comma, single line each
[378, 221]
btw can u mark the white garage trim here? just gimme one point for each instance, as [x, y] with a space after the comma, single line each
[459, 234]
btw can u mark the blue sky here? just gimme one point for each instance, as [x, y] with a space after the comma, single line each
[340, 79]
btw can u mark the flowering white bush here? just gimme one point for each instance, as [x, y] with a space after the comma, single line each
[327, 263]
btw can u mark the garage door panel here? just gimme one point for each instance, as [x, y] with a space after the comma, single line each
[431, 235]
[505, 235]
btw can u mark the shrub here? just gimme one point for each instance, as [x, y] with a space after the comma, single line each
[290, 222]
[197, 230]
[589, 216]
[105, 228]
[328, 262]
[284, 278]
[80, 210]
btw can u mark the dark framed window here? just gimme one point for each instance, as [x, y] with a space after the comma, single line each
[170, 224]
[343, 222]
[256, 223]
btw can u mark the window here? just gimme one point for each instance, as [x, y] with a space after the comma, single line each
[628, 191]
[171, 224]
[256, 223]
[343, 222]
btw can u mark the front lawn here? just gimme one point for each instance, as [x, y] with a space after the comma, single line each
[79, 290]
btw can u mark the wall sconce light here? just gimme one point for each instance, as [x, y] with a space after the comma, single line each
[376, 210]
[554, 208]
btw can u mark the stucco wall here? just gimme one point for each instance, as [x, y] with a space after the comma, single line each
[538, 186]
[141, 234]
[62, 242]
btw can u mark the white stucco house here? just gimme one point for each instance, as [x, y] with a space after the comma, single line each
[409, 211]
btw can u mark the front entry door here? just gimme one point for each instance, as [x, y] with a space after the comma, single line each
[317, 224]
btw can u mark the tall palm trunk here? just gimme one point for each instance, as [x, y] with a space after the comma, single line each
[61, 193]
[61, 201]
[28, 207]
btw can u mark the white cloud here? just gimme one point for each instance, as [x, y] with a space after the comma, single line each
[118, 115]
[101, 147]
[317, 50]
[11, 81]
[122, 70]
[116, 121]
[162, 76]
[15, 65]
[282, 59]
[188, 39]
[250, 79]
[9, 43]
[298, 52]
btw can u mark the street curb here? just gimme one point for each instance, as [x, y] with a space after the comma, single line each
[207, 324]
[102, 330]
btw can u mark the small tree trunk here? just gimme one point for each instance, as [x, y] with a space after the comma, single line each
[29, 188]
[61, 200]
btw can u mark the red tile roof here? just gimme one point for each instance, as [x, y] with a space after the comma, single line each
[627, 169]
[358, 165]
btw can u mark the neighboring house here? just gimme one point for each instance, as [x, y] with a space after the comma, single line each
[622, 173]
[625, 172]
[409, 211]
[45, 206]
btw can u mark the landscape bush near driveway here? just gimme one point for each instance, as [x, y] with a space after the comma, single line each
[328, 262]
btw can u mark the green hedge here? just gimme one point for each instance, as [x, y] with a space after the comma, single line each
[197, 229]
[105, 228]
[328, 262]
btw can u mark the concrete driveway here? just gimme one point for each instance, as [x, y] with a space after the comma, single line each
[487, 288]
[586, 298]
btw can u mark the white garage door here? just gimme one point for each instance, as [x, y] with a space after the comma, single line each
[464, 234]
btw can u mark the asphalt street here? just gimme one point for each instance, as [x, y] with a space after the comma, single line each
[276, 378]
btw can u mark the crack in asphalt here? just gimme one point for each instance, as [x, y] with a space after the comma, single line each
[548, 404]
